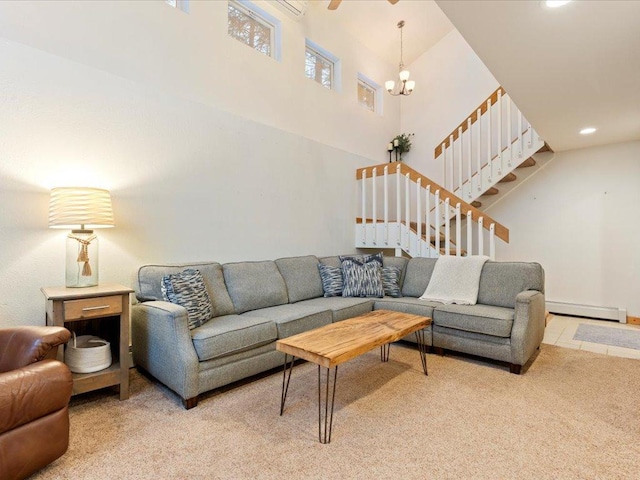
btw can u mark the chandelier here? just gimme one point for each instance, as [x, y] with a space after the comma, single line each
[404, 86]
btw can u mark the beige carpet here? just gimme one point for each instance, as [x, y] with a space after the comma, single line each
[572, 415]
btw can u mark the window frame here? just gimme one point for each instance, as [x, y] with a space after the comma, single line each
[182, 5]
[323, 54]
[377, 93]
[263, 18]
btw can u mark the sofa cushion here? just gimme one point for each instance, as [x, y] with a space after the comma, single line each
[411, 305]
[501, 282]
[417, 276]
[391, 281]
[231, 334]
[333, 261]
[301, 277]
[485, 319]
[455, 280]
[331, 277]
[342, 307]
[362, 279]
[188, 290]
[294, 318]
[254, 285]
[148, 280]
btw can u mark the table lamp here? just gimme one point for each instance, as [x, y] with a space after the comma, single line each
[82, 209]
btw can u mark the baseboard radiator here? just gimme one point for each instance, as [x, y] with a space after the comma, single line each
[590, 311]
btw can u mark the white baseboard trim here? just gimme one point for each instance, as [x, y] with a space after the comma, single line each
[605, 313]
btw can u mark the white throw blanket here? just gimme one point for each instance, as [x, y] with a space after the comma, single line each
[455, 280]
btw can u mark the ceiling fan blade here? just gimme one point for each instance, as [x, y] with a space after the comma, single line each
[393, 2]
[334, 4]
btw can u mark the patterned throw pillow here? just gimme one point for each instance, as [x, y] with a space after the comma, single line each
[391, 281]
[362, 279]
[376, 257]
[331, 280]
[188, 290]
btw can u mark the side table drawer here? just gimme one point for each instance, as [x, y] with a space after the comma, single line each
[92, 307]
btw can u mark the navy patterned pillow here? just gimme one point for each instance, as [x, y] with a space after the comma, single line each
[362, 279]
[391, 281]
[188, 290]
[376, 257]
[331, 280]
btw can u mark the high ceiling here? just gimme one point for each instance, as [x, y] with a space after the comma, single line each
[567, 68]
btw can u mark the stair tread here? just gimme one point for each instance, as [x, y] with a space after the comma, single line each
[491, 191]
[509, 177]
[529, 162]
[476, 204]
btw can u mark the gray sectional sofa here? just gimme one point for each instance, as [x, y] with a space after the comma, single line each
[256, 303]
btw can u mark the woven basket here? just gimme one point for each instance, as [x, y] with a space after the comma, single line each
[86, 354]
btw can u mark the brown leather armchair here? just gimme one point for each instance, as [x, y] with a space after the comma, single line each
[34, 399]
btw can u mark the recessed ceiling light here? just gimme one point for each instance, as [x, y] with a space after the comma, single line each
[555, 3]
[587, 131]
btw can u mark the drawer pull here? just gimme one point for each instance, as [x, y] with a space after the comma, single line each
[87, 309]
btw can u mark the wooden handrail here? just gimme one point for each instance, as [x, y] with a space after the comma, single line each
[474, 118]
[501, 231]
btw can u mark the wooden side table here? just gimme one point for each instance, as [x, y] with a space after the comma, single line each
[102, 311]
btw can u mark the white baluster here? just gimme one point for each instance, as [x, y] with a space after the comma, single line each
[458, 231]
[419, 215]
[451, 163]
[489, 160]
[492, 241]
[520, 145]
[386, 205]
[530, 135]
[437, 223]
[460, 150]
[407, 198]
[374, 203]
[480, 236]
[509, 132]
[447, 226]
[469, 233]
[428, 222]
[478, 149]
[469, 172]
[398, 207]
[444, 164]
[500, 166]
[364, 207]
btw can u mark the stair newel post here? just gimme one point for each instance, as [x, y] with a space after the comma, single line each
[427, 229]
[489, 160]
[460, 154]
[478, 149]
[364, 206]
[419, 216]
[499, 105]
[398, 207]
[386, 205]
[374, 203]
[470, 161]
[447, 226]
[520, 144]
[437, 222]
[480, 236]
[469, 233]
[509, 132]
[492, 241]
[407, 206]
[458, 230]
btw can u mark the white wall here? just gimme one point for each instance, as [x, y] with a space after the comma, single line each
[578, 218]
[451, 81]
[211, 151]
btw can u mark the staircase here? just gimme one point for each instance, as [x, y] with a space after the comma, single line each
[404, 210]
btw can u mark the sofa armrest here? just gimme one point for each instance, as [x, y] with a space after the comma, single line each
[528, 325]
[20, 346]
[33, 391]
[162, 345]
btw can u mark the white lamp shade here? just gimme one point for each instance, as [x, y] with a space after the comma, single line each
[389, 84]
[404, 75]
[411, 85]
[73, 207]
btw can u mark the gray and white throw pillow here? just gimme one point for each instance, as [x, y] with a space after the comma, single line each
[375, 257]
[331, 280]
[362, 279]
[391, 281]
[188, 290]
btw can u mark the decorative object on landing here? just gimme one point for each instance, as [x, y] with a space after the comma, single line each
[455, 280]
[616, 337]
[401, 144]
[404, 86]
[188, 290]
[87, 208]
[87, 354]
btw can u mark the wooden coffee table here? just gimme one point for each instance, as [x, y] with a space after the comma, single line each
[338, 342]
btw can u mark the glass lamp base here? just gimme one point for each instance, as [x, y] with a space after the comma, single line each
[81, 259]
